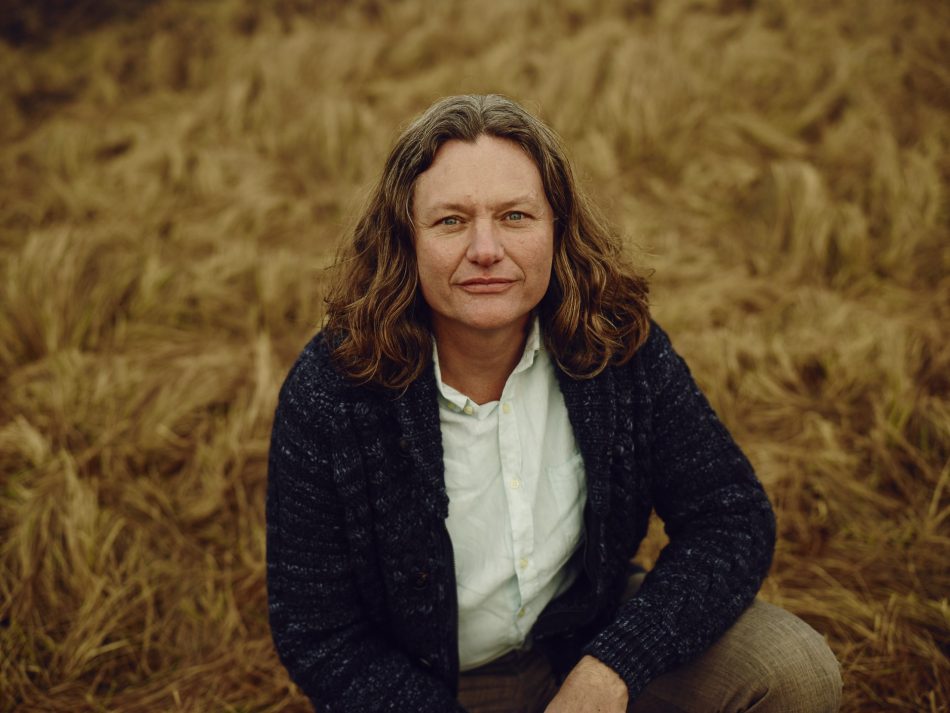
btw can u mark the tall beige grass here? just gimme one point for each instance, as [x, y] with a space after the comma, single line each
[174, 180]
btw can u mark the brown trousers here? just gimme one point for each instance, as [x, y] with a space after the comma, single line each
[769, 661]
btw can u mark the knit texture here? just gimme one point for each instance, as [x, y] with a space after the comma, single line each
[361, 582]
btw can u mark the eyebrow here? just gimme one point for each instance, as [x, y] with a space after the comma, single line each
[528, 198]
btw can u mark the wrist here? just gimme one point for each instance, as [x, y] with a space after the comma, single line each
[592, 667]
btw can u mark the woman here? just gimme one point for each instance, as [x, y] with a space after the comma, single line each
[465, 459]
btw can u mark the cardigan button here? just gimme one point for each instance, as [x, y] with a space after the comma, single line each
[403, 445]
[421, 580]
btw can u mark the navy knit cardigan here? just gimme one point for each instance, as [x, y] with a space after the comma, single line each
[360, 573]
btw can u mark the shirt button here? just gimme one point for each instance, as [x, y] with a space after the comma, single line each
[523, 563]
[469, 410]
[506, 407]
[521, 613]
[515, 483]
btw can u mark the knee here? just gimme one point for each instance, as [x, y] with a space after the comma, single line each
[804, 676]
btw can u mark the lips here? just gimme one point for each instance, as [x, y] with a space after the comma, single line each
[486, 285]
[485, 281]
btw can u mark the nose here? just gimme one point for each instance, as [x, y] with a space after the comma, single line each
[484, 247]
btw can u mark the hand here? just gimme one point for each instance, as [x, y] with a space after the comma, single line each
[590, 687]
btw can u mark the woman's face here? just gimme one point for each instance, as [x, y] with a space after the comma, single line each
[484, 236]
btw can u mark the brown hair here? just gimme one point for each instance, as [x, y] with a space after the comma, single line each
[594, 312]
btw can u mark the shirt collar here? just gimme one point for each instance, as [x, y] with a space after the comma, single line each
[531, 347]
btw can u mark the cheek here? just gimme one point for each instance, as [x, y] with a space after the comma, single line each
[434, 269]
[543, 260]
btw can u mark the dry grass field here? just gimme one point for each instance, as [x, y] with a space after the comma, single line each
[174, 180]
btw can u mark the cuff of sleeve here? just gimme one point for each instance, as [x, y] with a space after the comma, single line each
[638, 651]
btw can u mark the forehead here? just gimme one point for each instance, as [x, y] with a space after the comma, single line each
[488, 169]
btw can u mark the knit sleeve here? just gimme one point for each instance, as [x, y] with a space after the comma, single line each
[720, 525]
[328, 644]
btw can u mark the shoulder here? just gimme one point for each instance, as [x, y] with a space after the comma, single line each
[655, 360]
[657, 348]
[314, 389]
[312, 374]
[657, 375]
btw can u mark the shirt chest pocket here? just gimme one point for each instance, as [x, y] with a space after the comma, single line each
[567, 483]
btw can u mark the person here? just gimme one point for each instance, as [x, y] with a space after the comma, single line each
[464, 461]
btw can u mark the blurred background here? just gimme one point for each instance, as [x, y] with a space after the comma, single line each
[175, 178]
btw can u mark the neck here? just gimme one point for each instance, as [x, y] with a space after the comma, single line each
[478, 363]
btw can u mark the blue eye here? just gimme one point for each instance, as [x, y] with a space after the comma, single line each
[515, 215]
[450, 220]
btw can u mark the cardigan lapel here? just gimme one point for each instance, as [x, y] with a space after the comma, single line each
[592, 409]
[417, 413]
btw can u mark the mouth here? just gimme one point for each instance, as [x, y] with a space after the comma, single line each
[486, 284]
[485, 281]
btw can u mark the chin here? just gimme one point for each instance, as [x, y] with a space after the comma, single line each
[493, 322]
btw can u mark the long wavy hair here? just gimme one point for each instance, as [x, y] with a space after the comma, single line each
[595, 311]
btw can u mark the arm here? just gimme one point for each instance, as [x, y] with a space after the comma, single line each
[590, 687]
[719, 522]
[330, 647]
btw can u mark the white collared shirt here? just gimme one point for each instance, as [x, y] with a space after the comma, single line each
[517, 490]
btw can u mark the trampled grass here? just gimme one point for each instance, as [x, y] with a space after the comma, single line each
[174, 180]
